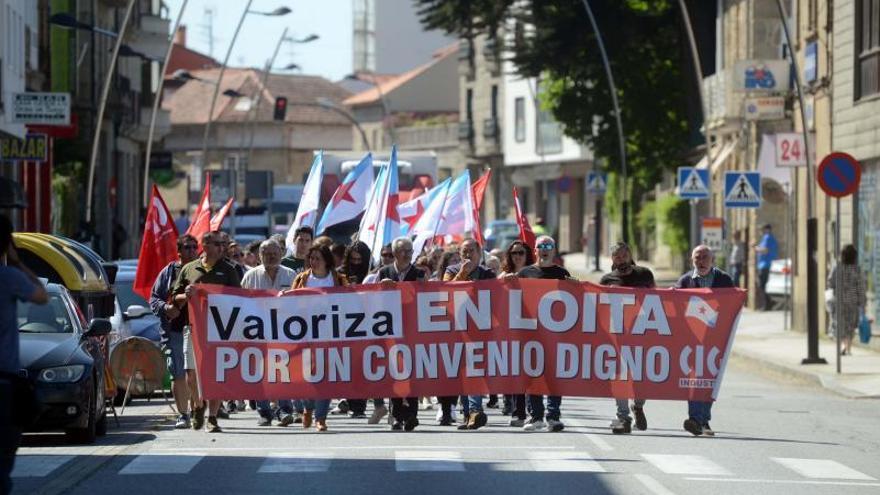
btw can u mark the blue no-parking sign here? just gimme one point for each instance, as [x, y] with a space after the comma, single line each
[742, 190]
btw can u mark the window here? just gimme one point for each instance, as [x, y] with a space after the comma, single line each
[549, 139]
[469, 105]
[494, 101]
[867, 76]
[519, 119]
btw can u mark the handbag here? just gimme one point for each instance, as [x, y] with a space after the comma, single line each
[864, 329]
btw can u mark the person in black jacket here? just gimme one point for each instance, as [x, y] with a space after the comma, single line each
[704, 275]
[404, 411]
[470, 269]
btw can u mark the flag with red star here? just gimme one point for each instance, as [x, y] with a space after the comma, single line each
[413, 210]
[350, 198]
[388, 220]
[307, 213]
[457, 218]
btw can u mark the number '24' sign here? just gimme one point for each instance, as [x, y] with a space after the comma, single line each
[790, 150]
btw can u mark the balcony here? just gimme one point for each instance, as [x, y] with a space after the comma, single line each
[491, 130]
[428, 137]
[724, 105]
[151, 37]
[139, 130]
[465, 131]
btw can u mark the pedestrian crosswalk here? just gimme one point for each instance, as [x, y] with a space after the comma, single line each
[415, 460]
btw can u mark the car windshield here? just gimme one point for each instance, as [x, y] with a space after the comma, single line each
[127, 297]
[51, 317]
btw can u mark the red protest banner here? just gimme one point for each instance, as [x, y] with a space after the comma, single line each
[449, 338]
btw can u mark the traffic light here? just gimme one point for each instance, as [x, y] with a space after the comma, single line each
[280, 108]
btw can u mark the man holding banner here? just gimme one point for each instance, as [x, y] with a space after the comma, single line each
[705, 275]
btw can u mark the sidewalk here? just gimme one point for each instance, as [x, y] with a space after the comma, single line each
[762, 342]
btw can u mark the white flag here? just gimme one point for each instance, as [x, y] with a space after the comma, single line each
[700, 309]
[307, 213]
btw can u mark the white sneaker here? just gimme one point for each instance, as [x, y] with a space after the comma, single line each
[439, 414]
[535, 425]
[516, 422]
[378, 414]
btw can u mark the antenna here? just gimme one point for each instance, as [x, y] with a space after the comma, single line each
[208, 29]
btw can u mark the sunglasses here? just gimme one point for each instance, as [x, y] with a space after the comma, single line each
[546, 246]
[215, 243]
[189, 247]
[387, 255]
[517, 253]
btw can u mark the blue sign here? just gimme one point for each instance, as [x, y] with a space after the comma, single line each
[758, 77]
[742, 190]
[693, 183]
[597, 182]
[811, 62]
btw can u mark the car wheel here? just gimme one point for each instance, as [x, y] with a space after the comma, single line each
[101, 425]
[85, 435]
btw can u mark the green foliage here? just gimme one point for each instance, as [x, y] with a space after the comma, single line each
[673, 214]
[646, 218]
[558, 46]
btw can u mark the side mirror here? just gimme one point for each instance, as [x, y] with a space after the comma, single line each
[98, 327]
[135, 311]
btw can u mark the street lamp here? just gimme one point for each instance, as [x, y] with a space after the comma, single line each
[624, 203]
[158, 98]
[251, 120]
[386, 110]
[327, 103]
[65, 20]
[277, 12]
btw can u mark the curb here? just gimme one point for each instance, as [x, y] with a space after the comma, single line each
[828, 383]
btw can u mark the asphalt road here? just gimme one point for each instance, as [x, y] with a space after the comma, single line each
[772, 436]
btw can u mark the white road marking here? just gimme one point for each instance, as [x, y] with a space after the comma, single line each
[365, 447]
[653, 485]
[565, 462]
[162, 464]
[296, 462]
[38, 466]
[423, 460]
[822, 469]
[786, 482]
[685, 464]
[599, 442]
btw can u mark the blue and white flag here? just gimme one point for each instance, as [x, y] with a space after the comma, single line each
[350, 198]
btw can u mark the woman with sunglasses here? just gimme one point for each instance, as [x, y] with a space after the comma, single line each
[516, 257]
[321, 272]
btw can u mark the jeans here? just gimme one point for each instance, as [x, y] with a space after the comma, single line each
[736, 270]
[285, 406]
[536, 403]
[701, 412]
[320, 406]
[518, 406]
[10, 435]
[298, 405]
[475, 403]
[623, 408]
[763, 276]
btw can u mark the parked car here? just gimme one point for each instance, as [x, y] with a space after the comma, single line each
[500, 233]
[62, 355]
[779, 282]
[133, 314]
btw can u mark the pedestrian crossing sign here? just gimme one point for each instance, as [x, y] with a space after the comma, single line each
[693, 183]
[742, 190]
[597, 182]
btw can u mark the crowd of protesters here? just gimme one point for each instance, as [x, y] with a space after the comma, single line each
[320, 262]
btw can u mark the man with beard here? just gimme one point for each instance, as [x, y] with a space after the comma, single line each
[625, 273]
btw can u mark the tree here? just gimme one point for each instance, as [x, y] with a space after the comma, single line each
[552, 40]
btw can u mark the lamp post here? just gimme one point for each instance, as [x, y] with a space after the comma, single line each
[277, 12]
[253, 115]
[330, 105]
[386, 110]
[624, 203]
[157, 99]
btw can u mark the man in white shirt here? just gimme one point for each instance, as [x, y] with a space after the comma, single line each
[270, 274]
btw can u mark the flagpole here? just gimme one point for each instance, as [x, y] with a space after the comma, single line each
[442, 207]
[383, 208]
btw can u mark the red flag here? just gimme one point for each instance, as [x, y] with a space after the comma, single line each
[158, 246]
[525, 230]
[478, 190]
[201, 220]
[217, 220]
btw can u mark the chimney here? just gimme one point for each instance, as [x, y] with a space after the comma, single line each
[180, 36]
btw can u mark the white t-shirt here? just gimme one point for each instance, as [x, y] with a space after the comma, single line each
[316, 282]
[257, 278]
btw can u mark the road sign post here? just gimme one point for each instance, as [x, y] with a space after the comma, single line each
[693, 184]
[597, 182]
[839, 175]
